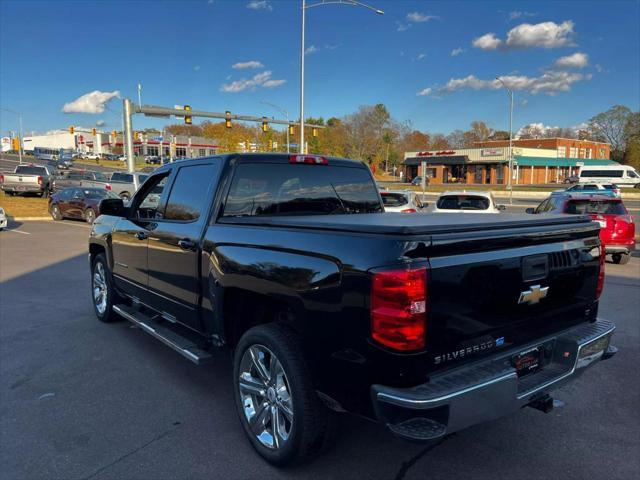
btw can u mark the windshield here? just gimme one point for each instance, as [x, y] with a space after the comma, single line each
[27, 170]
[462, 202]
[277, 189]
[96, 194]
[394, 199]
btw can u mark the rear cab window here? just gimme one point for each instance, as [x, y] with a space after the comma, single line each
[277, 189]
[122, 177]
[28, 170]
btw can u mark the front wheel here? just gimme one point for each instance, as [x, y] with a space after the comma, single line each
[102, 290]
[278, 406]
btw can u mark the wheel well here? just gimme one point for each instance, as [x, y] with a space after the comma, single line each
[243, 310]
[94, 250]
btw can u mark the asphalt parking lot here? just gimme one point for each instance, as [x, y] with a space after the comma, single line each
[85, 400]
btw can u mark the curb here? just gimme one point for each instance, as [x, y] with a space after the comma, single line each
[27, 219]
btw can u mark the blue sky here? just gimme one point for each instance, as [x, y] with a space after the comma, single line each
[183, 52]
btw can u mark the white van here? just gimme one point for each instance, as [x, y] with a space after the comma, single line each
[621, 175]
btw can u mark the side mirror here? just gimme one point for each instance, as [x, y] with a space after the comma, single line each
[112, 206]
[529, 210]
[501, 207]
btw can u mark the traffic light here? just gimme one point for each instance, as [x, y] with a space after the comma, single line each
[314, 132]
[94, 131]
[72, 129]
[136, 136]
[270, 144]
[292, 131]
[265, 124]
[187, 118]
[227, 119]
[115, 134]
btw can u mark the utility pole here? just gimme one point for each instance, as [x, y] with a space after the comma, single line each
[301, 148]
[509, 184]
[127, 110]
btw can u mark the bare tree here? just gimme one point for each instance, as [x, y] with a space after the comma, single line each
[610, 127]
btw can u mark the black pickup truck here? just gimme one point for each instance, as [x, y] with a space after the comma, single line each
[427, 323]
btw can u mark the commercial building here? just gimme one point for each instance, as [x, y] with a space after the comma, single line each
[490, 164]
[565, 147]
[152, 143]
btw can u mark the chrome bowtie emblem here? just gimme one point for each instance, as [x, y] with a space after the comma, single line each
[533, 295]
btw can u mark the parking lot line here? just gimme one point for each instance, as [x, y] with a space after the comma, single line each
[72, 224]
[17, 231]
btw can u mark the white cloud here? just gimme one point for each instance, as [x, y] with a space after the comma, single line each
[100, 123]
[246, 65]
[514, 15]
[526, 35]
[549, 83]
[402, 27]
[488, 41]
[259, 5]
[311, 49]
[196, 68]
[575, 60]
[536, 130]
[92, 102]
[457, 51]
[425, 92]
[419, 17]
[262, 79]
[421, 56]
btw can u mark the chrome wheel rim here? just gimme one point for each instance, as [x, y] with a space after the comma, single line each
[90, 216]
[99, 288]
[266, 397]
[55, 212]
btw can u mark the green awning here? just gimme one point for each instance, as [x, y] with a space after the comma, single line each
[561, 162]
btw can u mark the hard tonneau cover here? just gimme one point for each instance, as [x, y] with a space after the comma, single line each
[403, 224]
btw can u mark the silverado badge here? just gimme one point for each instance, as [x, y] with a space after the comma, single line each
[533, 295]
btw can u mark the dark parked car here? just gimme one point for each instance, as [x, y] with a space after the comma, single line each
[80, 203]
[426, 323]
[617, 228]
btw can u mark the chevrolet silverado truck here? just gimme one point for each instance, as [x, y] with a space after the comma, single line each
[28, 179]
[426, 323]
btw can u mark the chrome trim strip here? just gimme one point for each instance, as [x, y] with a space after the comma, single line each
[386, 397]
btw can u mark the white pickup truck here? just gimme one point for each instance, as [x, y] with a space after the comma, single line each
[28, 179]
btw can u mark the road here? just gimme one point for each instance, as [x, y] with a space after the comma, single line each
[85, 400]
[9, 161]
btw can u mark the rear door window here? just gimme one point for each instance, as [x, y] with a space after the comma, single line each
[188, 199]
[394, 199]
[300, 189]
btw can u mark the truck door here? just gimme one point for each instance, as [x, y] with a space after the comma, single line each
[130, 238]
[174, 243]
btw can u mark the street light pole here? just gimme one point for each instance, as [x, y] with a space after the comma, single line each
[286, 114]
[509, 184]
[353, 3]
[19, 132]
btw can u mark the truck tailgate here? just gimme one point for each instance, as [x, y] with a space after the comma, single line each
[494, 290]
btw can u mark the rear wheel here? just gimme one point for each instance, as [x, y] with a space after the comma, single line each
[89, 216]
[620, 258]
[279, 409]
[55, 213]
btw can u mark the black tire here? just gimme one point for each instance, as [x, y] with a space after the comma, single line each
[107, 315]
[311, 423]
[55, 213]
[89, 216]
[44, 193]
[620, 258]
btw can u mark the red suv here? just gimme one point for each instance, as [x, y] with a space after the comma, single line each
[617, 230]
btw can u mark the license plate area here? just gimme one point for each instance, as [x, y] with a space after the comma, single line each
[527, 362]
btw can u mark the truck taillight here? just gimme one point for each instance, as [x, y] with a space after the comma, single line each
[309, 159]
[409, 210]
[399, 308]
[1, 178]
[39, 180]
[600, 284]
[107, 186]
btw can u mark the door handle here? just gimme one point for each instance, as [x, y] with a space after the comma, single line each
[141, 235]
[186, 244]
